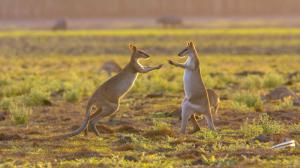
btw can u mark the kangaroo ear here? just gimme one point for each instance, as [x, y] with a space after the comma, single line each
[191, 43]
[132, 47]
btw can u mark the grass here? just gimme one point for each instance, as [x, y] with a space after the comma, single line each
[294, 127]
[247, 101]
[158, 41]
[72, 95]
[272, 80]
[264, 125]
[5, 103]
[19, 113]
[286, 104]
[269, 126]
[36, 97]
[156, 32]
[61, 68]
[161, 130]
[252, 83]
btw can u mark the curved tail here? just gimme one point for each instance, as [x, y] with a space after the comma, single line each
[80, 129]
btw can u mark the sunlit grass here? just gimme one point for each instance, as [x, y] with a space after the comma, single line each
[247, 101]
[156, 32]
[264, 125]
[19, 113]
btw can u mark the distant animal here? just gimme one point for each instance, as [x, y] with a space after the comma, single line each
[196, 99]
[110, 67]
[105, 100]
[170, 21]
[60, 24]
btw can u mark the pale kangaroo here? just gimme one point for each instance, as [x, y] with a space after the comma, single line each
[105, 100]
[214, 101]
[196, 98]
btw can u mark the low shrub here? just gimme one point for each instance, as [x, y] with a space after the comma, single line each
[286, 104]
[19, 113]
[272, 80]
[265, 125]
[72, 95]
[5, 103]
[247, 101]
[37, 98]
[251, 82]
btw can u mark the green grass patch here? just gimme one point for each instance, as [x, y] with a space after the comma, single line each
[37, 97]
[19, 113]
[247, 101]
[286, 104]
[272, 80]
[264, 125]
[252, 83]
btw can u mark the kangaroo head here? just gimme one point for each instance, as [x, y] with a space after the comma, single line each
[189, 48]
[136, 53]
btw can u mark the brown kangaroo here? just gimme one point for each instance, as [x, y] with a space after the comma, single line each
[105, 100]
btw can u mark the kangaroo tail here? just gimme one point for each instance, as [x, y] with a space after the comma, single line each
[80, 129]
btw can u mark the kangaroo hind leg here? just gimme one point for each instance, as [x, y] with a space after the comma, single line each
[105, 111]
[196, 126]
[185, 116]
[209, 120]
[98, 111]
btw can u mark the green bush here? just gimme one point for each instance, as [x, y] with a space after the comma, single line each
[36, 98]
[4, 82]
[286, 104]
[272, 80]
[5, 103]
[269, 126]
[294, 128]
[251, 130]
[16, 89]
[264, 125]
[19, 113]
[72, 95]
[251, 82]
[247, 101]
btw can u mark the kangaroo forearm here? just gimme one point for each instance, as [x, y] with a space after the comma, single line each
[184, 66]
[147, 69]
[180, 65]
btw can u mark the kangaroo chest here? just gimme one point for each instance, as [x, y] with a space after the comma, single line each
[126, 84]
[193, 85]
